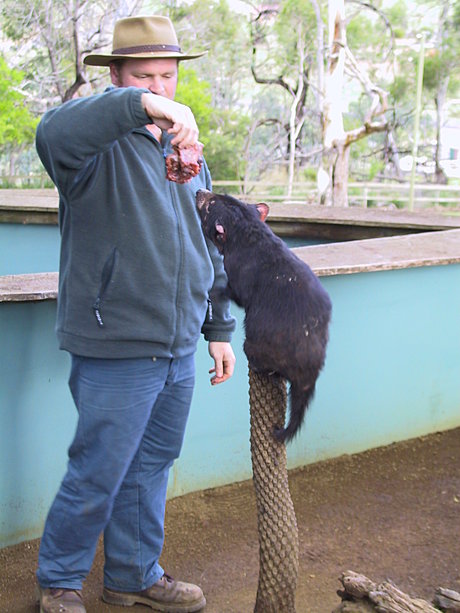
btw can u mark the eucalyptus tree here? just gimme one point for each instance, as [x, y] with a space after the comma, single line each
[441, 64]
[289, 51]
[283, 55]
[224, 75]
[333, 175]
[48, 39]
[17, 124]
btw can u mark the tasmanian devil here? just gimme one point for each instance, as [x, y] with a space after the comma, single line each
[287, 310]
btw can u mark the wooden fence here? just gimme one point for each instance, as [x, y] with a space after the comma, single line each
[390, 195]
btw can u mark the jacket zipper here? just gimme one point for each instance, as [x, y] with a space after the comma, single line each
[181, 259]
[106, 277]
[209, 310]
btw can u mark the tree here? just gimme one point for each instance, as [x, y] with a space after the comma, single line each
[224, 74]
[52, 36]
[281, 55]
[17, 124]
[333, 174]
[440, 69]
[221, 131]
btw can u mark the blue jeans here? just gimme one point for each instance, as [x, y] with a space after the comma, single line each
[132, 417]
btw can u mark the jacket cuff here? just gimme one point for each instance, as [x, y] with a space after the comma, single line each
[218, 337]
[137, 107]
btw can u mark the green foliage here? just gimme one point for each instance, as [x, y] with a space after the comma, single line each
[221, 131]
[224, 151]
[376, 166]
[293, 14]
[400, 88]
[434, 67]
[197, 95]
[456, 16]
[441, 62]
[361, 33]
[211, 25]
[17, 124]
[397, 16]
[438, 66]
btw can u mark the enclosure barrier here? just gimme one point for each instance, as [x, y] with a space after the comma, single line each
[398, 292]
[362, 194]
[394, 195]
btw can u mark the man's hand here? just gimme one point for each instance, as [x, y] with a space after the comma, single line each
[172, 116]
[224, 361]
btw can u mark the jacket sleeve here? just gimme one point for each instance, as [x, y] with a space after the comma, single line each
[69, 137]
[219, 323]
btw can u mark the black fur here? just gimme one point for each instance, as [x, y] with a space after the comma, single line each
[287, 309]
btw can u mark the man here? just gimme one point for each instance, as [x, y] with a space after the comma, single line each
[135, 278]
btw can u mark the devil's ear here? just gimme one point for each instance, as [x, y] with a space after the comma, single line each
[220, 232]
[263, 210]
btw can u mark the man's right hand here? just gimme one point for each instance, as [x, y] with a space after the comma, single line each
[173, 117]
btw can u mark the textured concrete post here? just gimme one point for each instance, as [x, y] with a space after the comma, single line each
[277, 526]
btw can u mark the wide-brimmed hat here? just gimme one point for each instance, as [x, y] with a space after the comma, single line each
[142, 38]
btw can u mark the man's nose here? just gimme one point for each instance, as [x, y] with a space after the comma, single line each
[157, 87]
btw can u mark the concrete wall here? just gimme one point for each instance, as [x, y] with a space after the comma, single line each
[27, 248]
[392, 373]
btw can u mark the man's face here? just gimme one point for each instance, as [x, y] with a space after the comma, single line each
[157, 75]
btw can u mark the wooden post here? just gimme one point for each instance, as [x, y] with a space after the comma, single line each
[276, 520]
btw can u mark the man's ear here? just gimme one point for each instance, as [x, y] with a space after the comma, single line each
[263, 210]
[115, 74]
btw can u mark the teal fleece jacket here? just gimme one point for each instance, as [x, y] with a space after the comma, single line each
[135, 271]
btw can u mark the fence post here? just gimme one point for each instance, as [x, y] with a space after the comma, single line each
[418, 103]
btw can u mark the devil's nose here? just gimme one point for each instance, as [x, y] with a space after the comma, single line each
[202, 197]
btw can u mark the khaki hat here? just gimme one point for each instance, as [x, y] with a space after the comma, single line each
[142, 38]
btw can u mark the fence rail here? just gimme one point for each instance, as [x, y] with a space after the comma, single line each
[390, 195]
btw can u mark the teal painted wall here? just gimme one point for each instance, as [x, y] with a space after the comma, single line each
[27, 248]
[392, 373]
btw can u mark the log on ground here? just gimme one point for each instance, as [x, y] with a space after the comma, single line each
[362, 595]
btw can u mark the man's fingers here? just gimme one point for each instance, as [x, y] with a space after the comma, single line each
[185, 136]
[169, 115]
[224, 361]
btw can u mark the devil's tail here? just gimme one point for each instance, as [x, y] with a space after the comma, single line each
[299, 399]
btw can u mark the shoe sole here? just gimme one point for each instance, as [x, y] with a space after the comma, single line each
[128, 600]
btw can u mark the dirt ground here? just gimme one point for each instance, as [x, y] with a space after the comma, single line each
[390, 513]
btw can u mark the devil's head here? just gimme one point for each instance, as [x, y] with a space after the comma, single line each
[222, 215]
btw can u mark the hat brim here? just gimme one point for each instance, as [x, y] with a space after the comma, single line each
[105, 59]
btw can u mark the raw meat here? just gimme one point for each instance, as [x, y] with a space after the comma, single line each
[184, 164]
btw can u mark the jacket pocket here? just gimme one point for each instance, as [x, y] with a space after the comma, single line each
[106, 276]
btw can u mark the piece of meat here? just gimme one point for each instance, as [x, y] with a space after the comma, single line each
[184, 164]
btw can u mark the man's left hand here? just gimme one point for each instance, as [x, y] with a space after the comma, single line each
[224, 361]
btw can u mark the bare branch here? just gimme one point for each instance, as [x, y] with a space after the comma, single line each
[383, 17]
[368, 128]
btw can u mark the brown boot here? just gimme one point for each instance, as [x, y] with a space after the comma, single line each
[165, 595]
[60, 600]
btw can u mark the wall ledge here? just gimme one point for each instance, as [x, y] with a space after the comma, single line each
[29, 288]
[370, 255]
[378, 254]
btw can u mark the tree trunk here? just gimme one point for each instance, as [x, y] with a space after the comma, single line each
[340, 176]
[392, 155]
[440, 98]
[333, 131]
[295, 122]
[332, 176]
